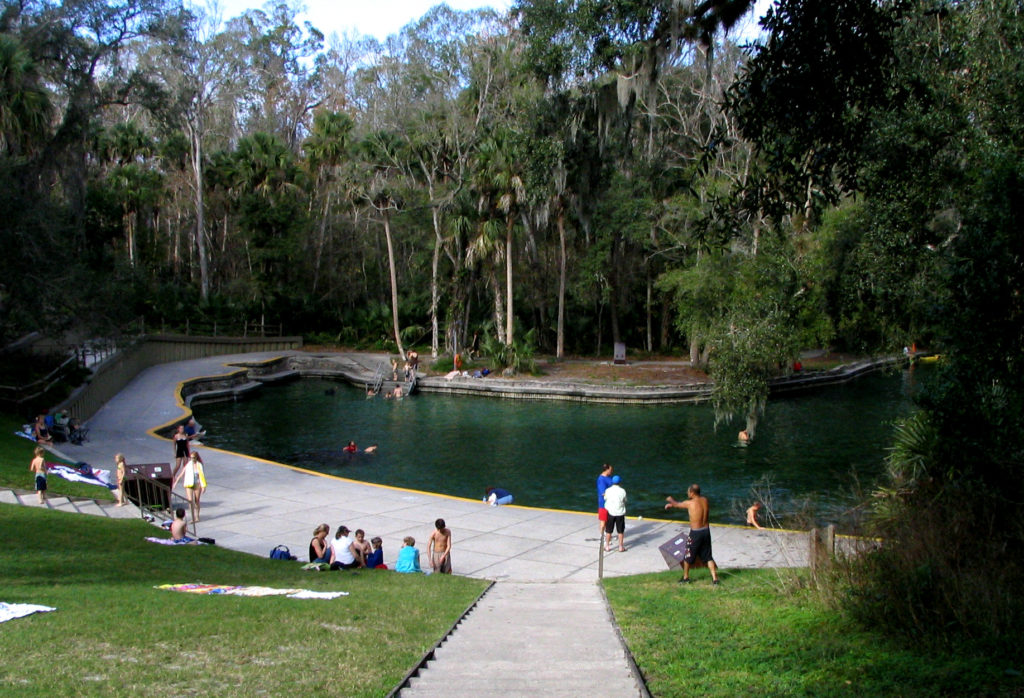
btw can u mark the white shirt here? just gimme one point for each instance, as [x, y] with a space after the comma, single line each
[615, 501]
[343, 550]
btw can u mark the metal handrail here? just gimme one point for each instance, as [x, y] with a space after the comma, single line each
[378, 376]
[155, 499]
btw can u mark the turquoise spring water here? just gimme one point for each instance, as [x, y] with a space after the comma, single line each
[814, 448]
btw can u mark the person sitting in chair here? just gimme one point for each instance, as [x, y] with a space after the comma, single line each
[42, 432]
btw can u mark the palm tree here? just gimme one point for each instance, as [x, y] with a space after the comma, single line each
[498, 181]
[326, 145]
[25, 108]
[268, 185]
[135, 183]
[384, 152]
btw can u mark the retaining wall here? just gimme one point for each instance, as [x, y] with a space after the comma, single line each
[112, 375]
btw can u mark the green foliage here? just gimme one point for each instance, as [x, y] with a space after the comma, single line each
[518, 356]
[756, 312]
[807, 96]
[922, 129]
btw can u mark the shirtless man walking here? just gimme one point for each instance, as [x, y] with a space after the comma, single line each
[699, 544]
[439, 548]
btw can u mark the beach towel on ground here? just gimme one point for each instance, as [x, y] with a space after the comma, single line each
[10, 611]
[228, 590]
[170, 541]
[82, 472]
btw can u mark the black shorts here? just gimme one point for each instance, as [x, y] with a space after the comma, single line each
[615, 523]
[40, 483]
[698, 545]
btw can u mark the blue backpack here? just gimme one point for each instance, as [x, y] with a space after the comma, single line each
[281, 552]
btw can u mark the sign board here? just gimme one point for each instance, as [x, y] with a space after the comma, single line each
[674, 549]
[620, 352]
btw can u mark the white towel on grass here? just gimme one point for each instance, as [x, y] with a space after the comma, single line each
[10, 611]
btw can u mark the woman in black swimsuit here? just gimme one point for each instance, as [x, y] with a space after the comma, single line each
[181, 451]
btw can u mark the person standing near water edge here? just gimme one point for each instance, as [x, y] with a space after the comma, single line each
[699, 542]
[615, 503]
[604, 481]
[752, 515]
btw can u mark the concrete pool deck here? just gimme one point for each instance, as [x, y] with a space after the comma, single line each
[253, 505]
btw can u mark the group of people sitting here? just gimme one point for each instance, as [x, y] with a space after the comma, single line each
[346, 551]
[60, 424]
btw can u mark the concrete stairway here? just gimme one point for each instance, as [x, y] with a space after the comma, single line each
[75, 505]
[543, 639]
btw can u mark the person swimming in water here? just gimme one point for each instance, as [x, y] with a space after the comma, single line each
[352, 448]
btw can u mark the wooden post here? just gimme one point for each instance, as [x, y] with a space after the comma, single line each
[822, 547]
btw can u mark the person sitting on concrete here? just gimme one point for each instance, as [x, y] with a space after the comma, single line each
[408, 557]
[364, 545]
[497, 496]
[344, 553]
[375, 560]
[193, 431]
[319, 548]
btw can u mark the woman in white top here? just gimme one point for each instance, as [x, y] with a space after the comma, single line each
[195, 482]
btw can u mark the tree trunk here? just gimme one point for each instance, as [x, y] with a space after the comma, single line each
[197, 172]
[665, 324]
[510, 317]
[560, 342]
[752, 419]
[394, 283]
[499, 310]
[434, 290]
[613, 294]
[320, 241]
[650, 320]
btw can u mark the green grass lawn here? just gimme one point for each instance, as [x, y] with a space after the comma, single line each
[16, 454]
[754, 635]
[115, 634]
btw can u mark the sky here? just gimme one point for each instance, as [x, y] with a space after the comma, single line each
[381, 18]
[378, 18]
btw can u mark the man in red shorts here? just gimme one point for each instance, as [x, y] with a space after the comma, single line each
[604, 481]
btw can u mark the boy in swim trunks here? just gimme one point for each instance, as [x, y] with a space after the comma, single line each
[38, 466]
[699, 542]
[439, 547]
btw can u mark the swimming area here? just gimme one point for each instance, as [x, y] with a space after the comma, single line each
[814, 448]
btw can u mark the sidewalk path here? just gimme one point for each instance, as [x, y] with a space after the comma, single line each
[253, 505]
